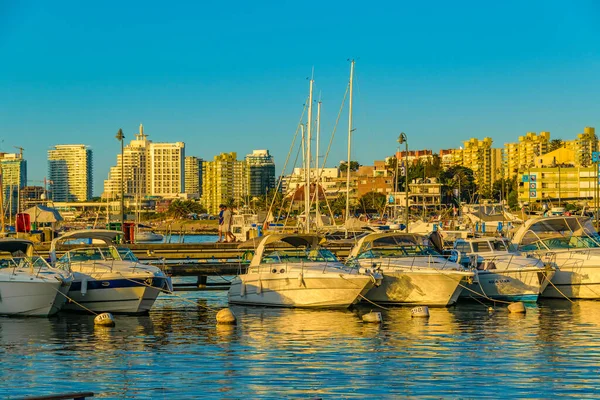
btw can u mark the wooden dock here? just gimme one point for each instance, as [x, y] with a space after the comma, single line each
[197, 259]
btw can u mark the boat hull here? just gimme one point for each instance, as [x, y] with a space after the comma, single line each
[303, 291]
[576, 277]
[126, 296]
[516, 285]
[431, 288]
[32, 298]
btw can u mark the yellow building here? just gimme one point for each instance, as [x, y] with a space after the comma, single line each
[485, 161]
[520, 155]
[223, 179]
[555, 177]
[583, 146]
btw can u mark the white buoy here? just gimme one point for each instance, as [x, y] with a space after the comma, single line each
[372, 318]
[518, 307]
[83, 289]
[104, 319]
[226, 317]
[420, 312]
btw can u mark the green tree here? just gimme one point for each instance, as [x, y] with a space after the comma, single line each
[353, 166]
[181, 209]
[372, 202]
[555, 144]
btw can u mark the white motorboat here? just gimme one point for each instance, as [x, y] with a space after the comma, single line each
[148, 236]
[28, 284]
[502, 273]
[107, 278]
[572, 245]
[294, 271]
[413, 272]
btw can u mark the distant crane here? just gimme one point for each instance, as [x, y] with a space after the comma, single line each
[20, 150]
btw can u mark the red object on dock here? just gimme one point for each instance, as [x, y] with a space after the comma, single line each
[23, 222]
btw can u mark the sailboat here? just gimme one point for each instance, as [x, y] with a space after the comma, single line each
[293, 270]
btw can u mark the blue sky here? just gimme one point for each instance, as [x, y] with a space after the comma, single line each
[233, 76]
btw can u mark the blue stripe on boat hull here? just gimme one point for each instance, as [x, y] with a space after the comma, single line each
[118, 283]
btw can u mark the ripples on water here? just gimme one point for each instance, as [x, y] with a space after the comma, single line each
[177, 351]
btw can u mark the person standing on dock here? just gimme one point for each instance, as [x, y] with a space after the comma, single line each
[227, 217]
[221, 232]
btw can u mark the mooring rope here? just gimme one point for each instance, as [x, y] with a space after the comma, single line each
[169, 292]
[79, 304]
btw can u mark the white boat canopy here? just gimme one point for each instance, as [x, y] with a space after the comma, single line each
[16, 246]
[105, 236]
[387, 239]
[556, 227]
[307, 241]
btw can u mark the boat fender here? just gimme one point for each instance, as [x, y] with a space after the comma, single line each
[518, 307]
[420, 312]
[372, 318]
[259, 287]
[301, 280]
[104, 319]
[226, 317]
[84, 283]
[242, 289]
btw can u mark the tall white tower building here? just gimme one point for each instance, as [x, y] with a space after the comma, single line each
[70, 171]
[149, 169]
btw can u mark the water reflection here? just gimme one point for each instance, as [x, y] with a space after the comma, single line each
[178, 350]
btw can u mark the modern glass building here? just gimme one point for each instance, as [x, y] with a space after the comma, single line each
[261, 170]
[70, 171]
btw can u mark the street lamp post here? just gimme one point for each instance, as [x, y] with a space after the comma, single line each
[403, 139]
[120, 138]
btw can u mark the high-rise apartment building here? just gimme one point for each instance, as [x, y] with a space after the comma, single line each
[155, 169]
[483, 160]
[193, 176]
[521, 155]
[261, 170]
[70, 171]
[224, 179]
[585, 144]
[14, 178]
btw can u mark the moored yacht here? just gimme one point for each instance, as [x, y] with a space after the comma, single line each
[295, 271]
[502, 273]
[572, 245]
[413, 272]
[29, 286]
[107, 278]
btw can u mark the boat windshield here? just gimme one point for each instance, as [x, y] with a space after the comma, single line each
[127, 255]
[399, 251]
[7, 261]
[560, 234]
[91, 254]
[297, 255]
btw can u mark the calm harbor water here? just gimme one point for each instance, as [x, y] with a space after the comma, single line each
[177, 351]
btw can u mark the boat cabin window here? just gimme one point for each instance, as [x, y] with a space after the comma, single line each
[127, 255]
[463, 247]
[296, 255]
[398, 251]
[499, 245]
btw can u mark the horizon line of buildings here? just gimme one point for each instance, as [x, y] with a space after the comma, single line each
[162, 170]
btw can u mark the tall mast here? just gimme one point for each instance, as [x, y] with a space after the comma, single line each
[349, 142]
[308, 138]
[318, 180]
[2, 202]
[304, 167]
